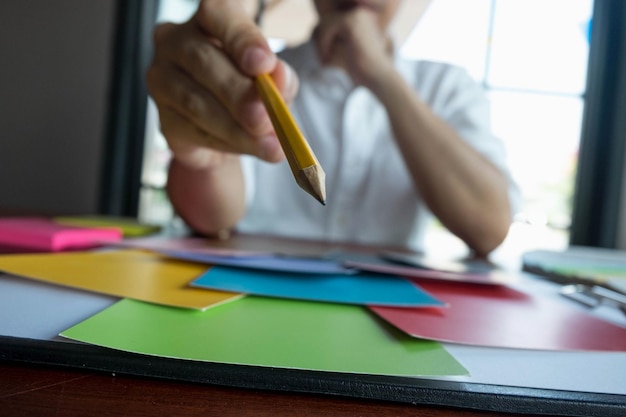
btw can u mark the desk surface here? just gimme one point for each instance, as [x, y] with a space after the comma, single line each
[28, 390]
[29, 386]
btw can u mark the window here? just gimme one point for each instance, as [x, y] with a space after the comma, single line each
[531, 58]
[154, 206]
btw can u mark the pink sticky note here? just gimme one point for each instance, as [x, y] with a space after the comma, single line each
[499, 316]
[44, 235]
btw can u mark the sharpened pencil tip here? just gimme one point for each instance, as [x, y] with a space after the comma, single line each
[311, 179]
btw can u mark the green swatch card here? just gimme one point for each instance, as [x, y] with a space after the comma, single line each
[268, 332]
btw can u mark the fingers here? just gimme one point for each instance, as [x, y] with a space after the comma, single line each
[209, 67]
[239, 36]
[326, 35]
[214, 71]
[351, 40]
[198, 149]
[204, 120]
[338, 36]
[201, 81]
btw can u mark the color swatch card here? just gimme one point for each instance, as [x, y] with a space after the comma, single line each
[267, 262]
[363, 288]
[130, 227]
[491, 278]
[129, 273]
[268, 332]
[44, 235]
[578, 263]
[186, 244]
[419, 266]
[499, 316]
[422, 261]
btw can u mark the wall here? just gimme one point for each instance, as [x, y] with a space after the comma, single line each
[54, 72]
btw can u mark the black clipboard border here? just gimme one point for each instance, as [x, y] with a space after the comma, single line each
[422, 391]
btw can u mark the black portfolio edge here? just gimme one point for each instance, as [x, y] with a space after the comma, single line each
[374, 387]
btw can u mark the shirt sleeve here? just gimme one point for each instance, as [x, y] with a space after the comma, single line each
[470, 114]
[460, 101]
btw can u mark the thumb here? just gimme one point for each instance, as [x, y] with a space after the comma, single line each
[286, 80]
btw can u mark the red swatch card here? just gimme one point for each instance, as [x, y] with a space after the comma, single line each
[499, 316]
[44, 235]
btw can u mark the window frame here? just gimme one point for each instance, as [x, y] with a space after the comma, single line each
[599, 182]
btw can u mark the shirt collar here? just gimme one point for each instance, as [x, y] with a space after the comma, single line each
[332, 76]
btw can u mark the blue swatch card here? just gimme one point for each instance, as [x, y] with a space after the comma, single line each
[267, 262]
[359, 288]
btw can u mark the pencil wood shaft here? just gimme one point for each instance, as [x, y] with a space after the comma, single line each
[305, 167]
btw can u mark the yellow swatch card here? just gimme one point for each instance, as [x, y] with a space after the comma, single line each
[129, 227]
[136, 274]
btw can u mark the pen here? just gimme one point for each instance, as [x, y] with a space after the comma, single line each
[594, 296]
[305, 167]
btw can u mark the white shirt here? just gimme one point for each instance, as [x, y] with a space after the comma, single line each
[371, 198]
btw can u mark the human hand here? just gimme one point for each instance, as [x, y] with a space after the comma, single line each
[201, 81]
[352, 38]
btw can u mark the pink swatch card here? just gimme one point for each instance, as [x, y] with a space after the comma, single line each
[499, 316]
[44, 235]
[190, 245]
[486, 278]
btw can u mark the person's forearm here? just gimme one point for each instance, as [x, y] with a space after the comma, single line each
[466, 192]
[211, 201]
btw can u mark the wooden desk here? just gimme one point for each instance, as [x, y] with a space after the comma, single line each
[32, 391]
[160, 386]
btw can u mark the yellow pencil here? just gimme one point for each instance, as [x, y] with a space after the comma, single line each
[304, 165]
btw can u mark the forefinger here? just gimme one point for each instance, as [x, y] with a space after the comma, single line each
[241, 39]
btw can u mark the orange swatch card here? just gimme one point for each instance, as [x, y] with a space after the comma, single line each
[135, 274]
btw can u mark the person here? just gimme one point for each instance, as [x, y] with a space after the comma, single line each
[400, 140]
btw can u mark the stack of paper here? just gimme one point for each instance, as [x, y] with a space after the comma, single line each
[188, 301]
[38, 234]
[582, 264]
[469, 305]
[164, 313]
